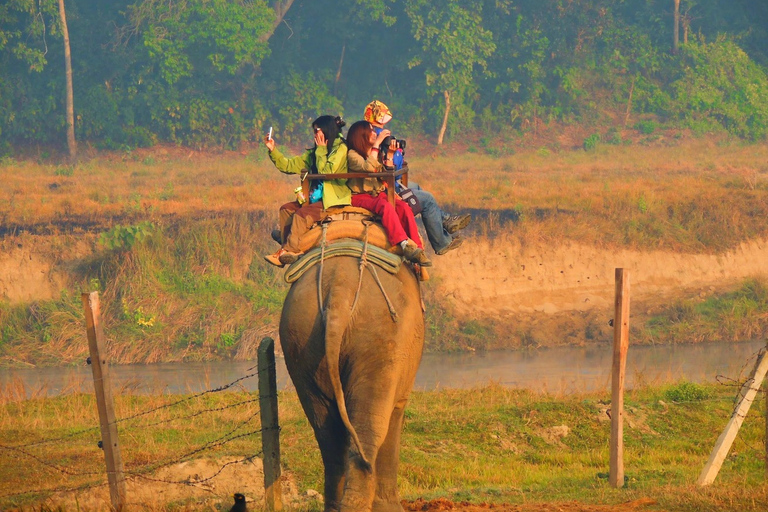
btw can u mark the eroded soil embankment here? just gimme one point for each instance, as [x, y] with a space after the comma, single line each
[504, 278]
[546, 284]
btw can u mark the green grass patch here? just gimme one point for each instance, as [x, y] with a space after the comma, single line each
[489, 444]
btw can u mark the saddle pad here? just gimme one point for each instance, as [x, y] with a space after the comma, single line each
[343, 229]
[376, 255]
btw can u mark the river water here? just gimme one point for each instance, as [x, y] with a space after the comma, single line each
[555, 370]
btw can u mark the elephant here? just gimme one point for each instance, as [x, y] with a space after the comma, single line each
[352, 352]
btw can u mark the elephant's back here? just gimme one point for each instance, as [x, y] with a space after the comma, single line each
[377, 312]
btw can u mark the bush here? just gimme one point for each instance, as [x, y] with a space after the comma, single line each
[125, 237]
[719, 82]
[646, 127]
[687, 392]
[591, 142]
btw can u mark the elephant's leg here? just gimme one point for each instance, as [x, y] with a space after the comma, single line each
[370, 417]
[387, 498]
[332, 438]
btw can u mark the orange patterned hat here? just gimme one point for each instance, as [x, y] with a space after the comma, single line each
[377, 113]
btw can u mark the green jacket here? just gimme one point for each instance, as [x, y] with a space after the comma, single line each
[335, 192]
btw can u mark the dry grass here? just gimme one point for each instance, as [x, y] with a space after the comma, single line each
[697, 195]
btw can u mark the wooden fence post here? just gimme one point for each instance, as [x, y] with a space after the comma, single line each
[104, 402]
[620, 346]
[270, 427]
[724, 442]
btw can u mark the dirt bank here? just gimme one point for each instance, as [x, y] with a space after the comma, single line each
[564, 291]
[500, 277]
[544, 293]
[503, 277]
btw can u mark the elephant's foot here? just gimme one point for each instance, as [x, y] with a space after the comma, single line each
[380, 505]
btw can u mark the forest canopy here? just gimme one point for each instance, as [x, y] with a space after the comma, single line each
[217, 73]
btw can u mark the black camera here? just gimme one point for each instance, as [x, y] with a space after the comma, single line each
[391, 143]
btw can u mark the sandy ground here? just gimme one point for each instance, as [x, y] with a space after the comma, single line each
[156, 491]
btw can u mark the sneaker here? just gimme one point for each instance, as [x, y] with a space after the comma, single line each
[288, 257]
[275, 258]
[453, 223]
[416, 254]
[457, 241]
[277, 236]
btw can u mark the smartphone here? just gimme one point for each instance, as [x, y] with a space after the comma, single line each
[269, 135]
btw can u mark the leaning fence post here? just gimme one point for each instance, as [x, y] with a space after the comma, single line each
[723, 445]
[620, 346]
[104, 402]
[270, 428]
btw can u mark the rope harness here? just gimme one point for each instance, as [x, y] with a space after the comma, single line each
[364, 262]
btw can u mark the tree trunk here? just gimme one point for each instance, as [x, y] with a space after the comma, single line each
[71, 144]
[629, 101]
[676, 29]
[281, 8]
[445, 117]
[686, 25]
[338, 72]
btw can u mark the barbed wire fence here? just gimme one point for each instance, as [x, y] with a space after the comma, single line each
[78, 467]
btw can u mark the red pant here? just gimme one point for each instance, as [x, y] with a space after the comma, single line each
[398, 221]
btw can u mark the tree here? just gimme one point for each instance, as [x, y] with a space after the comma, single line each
[676, 28]
[453, 43]
[71, 144]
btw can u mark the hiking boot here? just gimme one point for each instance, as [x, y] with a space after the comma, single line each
[275, 258]
[288, 257]
[277, 236]
[416, 254]
[457, 241]
[453, 223]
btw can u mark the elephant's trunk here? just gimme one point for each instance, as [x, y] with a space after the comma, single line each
[337, 318]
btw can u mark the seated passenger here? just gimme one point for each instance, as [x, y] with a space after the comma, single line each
[370, 193]
[328, 156]
[440, 226]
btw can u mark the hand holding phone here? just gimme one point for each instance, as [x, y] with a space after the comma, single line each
[269, 141]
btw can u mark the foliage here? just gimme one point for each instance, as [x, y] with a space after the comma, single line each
[719, 83]
[303, 99]
[452, 44]
[687, 392]
[591, 142]
[125, 237]
[737, 315]
[215, 73]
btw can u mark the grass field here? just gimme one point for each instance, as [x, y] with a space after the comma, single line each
[489, 444]
[693, 195]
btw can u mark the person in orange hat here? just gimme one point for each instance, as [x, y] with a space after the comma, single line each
[441, 227]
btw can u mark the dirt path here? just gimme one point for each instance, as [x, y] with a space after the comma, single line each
[441, 505]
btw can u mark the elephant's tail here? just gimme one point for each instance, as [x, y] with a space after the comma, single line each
[336, 323]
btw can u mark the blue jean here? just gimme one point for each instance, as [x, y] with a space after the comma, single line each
[432, 217]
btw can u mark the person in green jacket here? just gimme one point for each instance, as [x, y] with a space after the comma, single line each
[328, 156]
